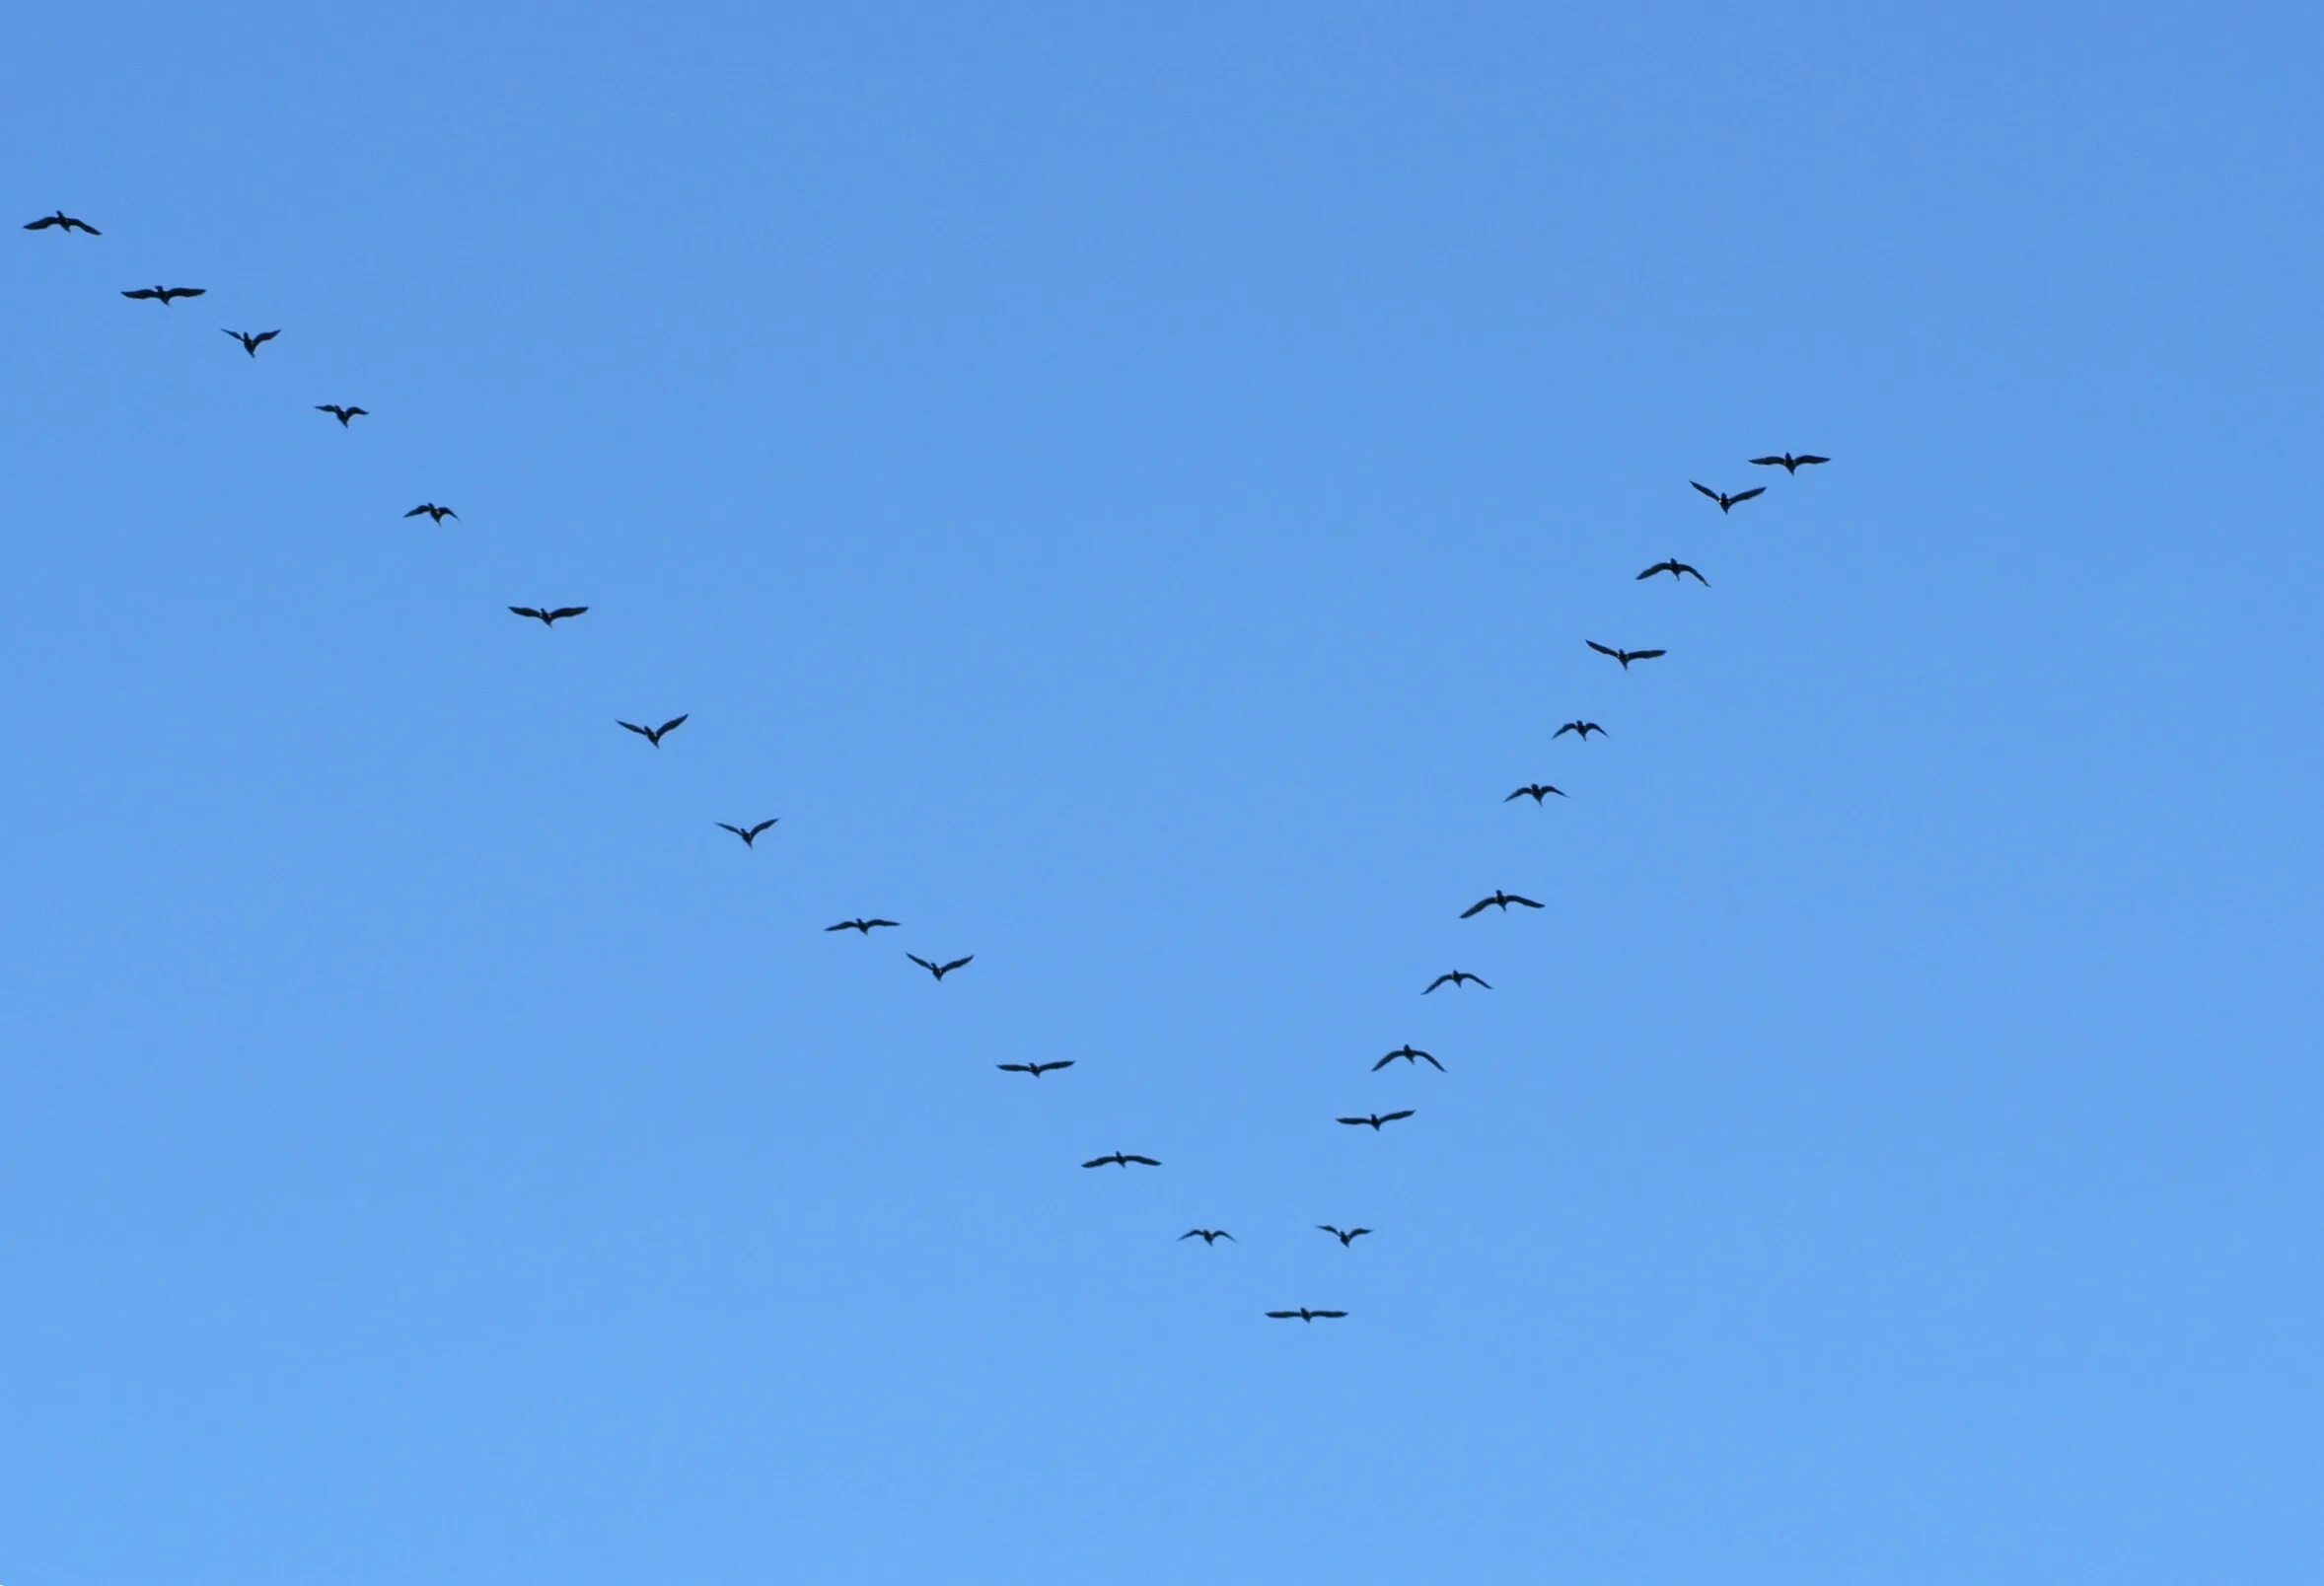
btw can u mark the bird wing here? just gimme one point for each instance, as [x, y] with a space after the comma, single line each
[1520, 793]
[142, 292]
[565, 611]
[94, 232]
[1651, 571]
[1593, 727]
[1646, 655]
[1706, 490]
[1797, 460]
[320, 407]
[1062, 1062]
[1433, 984]
[1482, 980]
[762, 826]
[1016, 1068]
[736, 829]
[266, 336]
[879, 923]
[1698, 578]
[1281, 1314]
[1560, 792]
[1327, 1313]
[1358, 1233]
[921, 962]
[1390, 1118]
[1600, 649]
[1527, 902]
[1432, 1062]
[673, 722]
[1746, 495]
[843, 925]
[1196, 1233]
[634, 727]
[1358, 1120]
[536, 613]
[957, 963]
[1767, 462]
[1097, 1162]
[414, 512]
[1477, 907]
[43, 224]
[181, 291]
[1385, 1062]
[359, 412]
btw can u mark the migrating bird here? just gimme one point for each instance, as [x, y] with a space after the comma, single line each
[1303, 1314]
[940, 971]
[163, 294]
[250, 344]
[867, 927]
[1409, 1053]
[750, 837]
[1346, 1236]
[1582, 728]
[345, 416]
[432, 512]
[653, 734]
[1499, 899]
[1537, 791]
[1122, 1159]
[1458, 978]
[1035, 1070]
[60, 218]
[1788, 462]
[1679, 572]
[1725, 500]
[1209, 1236]
[547, 618]
[1626, 657]
[1375, 1120]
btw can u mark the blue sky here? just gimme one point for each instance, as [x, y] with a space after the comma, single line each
[1129, 491]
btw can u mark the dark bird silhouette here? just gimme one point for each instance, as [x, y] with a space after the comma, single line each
[1410, 1055]
[60, 218]
[653, 734]
[1303, 1314]
[749, 834]
[1458, 978]
[547, 616]
[432, 512]
[1626, 657]
[1788, 462]
[250, 344]
[1536, 791]
[1581, 728]
[1209, 1236]
[1679, 572]
[1346, 1236]
[1725, 500]
[345, 416]
[1121, 1159]
[163, 294]
[867, 927]
[940, 971]
[1499, 899]
[1035, 1070]
[1375, 1120]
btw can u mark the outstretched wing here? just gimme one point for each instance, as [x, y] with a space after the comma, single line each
[1600, 649]
[1477, 907]
[1657, 568]
[1520, 793]
[1358, 1233]
[1570, 727]
[760, 827]
[1383, 1063]
[1390, 1118]
[1433, 984]
[1432, 1062]
[640, 731]
[1527, 902]
[182, 291]
[1646, 655]
[1203, 1234]
[1706, 490]
[1327, 1313]
[879, 923]
[957, 963]
[1098, 1162]
[1016, 1068]
[1359, 1120]
[1746, 495]
[679, 721]
[843, 925]
[415, 512]
[1803, 461]
[1697, 576]
[1062, 1062]
[736, 829]
[538, 615]
[921, 962]
[266, 336]
[561, 611]
[43, 223]
[1482, 980]
[1776, 461]
[142, 292]
[1279, 1314]
[1144, 1161]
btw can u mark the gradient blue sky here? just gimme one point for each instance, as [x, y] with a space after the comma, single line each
[1129, 487]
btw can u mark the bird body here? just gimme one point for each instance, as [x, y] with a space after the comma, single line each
[1410, 1055]
[1580, 729]
[1500, 900]
[1788, 462]
[547, 616]
[1346, 1236]
[866, 926]
[1457, 978]
[251, 344]
[1121, 1159]
[1209, 1236]
[1035, 1070]
[940, 971]
[1679, 572]
[1536, 791]
[654, 734]
[60, 218]
[1725, 500]
[163, 294]
[1626, 657]
[1375, 1120]
[432, 512]
[345, 416]
[749, 835]
[1304, 1314]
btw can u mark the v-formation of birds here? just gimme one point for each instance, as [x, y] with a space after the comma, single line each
[1458, 980]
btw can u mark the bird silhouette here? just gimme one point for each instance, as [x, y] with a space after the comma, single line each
[1581, 729]
[250, 344]
[345, 416]
[1375, 1120]
[1679, 572]
[1626, 657]
[1209, 1236]
[1346, 1236]
[433, 513]
[60, 218]
[749, 834]
[1303, 1314]
[1122, 1159]
[1500, 900]
[1725, 500]
[1458, 978]
[1788, 462]
[1035, 1070]
[163, 294]
[1536, 791]
[940, 971]
[866, 926]
[547, 616]
[1410, 1055]
[653, 734]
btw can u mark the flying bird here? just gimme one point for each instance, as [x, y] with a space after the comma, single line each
[1679, 572]
[1581, 728]
[653, 734]
[1626, 657]
[1499, 899]
[1458, 978]
[867, 927]
[1035, 1070]
[1122, 1159]
[60, 218]
[1537, 791]
[1303, 1314]
[1409, 1053]
[1375, 1120]
[940, 971]
[547, 616]
[749, 835]
[432, 512]
[1788, 462]
[1724, 500]
[345, 416]
[250, 344]
[1346, 1236]
[163, 294]
[1209, 1236]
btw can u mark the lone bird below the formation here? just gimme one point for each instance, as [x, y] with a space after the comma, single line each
[654, 734]
[1375, 1120]
[250, 344]
[866, 926]
[1035, 1070]
[1725, 500]
[1500, 900]
[1458, 978]
[1582, 729]
[345, 416]
[1679, 572]
[60, 218]
[749, 835]
[1410, 1055]
[163, 294]
[1303, 1314]
[1122, 1159]
[433, 513]
[547, 615]
[1536, 791]
[1345, 1237]
[1788, 462]
[1626, 657]
[940, 971]
[1209, 1236]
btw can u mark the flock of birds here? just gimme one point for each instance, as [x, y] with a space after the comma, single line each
[549, 615]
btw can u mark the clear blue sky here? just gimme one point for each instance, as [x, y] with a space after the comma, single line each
[1129, 487]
